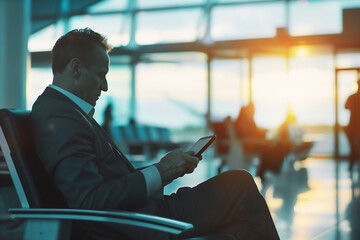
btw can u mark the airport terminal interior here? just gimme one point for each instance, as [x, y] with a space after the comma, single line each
[184, 69]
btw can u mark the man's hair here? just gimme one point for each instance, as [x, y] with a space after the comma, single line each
[77, 43]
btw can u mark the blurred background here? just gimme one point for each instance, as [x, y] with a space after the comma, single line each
[180, 66]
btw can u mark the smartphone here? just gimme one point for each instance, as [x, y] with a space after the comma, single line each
[202, 144]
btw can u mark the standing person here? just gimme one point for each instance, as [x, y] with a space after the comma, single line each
[92, 173]
[352, 130]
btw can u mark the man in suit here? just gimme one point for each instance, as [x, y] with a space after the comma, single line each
[92, 173]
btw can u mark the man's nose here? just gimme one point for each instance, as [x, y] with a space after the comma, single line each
[104, 86]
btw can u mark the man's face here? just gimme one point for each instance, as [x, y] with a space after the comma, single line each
[92, 79]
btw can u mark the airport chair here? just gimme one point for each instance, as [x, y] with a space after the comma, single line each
[166, 142]
[47, 215]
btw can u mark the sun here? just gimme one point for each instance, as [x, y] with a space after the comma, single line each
[302, 52]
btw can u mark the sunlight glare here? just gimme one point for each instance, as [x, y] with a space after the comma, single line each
[302, 52]
[355, 86]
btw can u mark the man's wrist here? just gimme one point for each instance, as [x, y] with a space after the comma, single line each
[153, 180]
[164, 178]
[160, 169]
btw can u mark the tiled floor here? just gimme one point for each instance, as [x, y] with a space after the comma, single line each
[312, 199]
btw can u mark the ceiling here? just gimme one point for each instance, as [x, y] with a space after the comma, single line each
[47, 12]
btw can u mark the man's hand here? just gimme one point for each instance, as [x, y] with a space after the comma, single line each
[176, 164]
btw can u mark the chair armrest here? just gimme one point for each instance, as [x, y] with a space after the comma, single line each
[127, 218]
[5, 218]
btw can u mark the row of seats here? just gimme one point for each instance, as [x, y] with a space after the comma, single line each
[230, 149]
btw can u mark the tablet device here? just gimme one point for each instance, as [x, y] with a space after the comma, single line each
[202, 144]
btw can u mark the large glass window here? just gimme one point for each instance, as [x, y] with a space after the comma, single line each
[172, 94]
[229, 88]
[38, 79]
[305, 17]
[119, 83]
[108, 6]
[166, 3]
[312, 96]
[45, 39]
[269, 86]
[311, 92]
[167, 26]
[247, 21]
[348, 60]
[349, 3]
[229, 1]
[115, 27]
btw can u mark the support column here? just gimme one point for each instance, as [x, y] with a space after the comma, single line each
[336, 126]
[133, 91]
[208, 114]
[14, 33]
[250, 58]
[287, 72]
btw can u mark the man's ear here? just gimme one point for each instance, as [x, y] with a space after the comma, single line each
[75, 66]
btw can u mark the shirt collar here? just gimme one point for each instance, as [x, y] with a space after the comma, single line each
[86, 107]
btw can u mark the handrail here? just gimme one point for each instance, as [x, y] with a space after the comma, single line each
[121, 217]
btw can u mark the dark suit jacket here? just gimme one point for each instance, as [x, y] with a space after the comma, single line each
[85, 164]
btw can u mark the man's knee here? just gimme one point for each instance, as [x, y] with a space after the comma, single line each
[238, 176]
[240, 183]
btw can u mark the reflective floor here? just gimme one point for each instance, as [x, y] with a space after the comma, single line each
[314, 199]
[311, 199]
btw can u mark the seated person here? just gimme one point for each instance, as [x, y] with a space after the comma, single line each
[108, 118]
[292, 134]
[253, 139]
[92, 173]
[252, 136]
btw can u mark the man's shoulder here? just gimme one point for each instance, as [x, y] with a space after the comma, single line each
[46, 106]
[63, 116]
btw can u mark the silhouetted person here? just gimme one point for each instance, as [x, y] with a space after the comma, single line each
[246, 127]
[254, 140]
[286, 128]
[352, 130]
[291, 133]
[132, 122]
[108, 118]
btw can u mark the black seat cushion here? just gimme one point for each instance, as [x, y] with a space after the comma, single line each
[39, 188]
